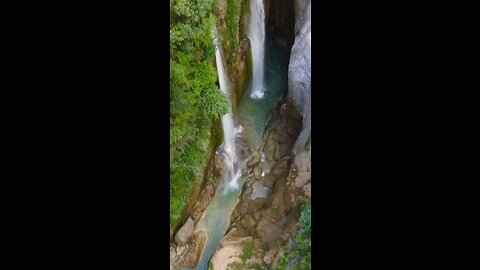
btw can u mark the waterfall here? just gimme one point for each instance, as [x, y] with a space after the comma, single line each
[230, 131]
[222, 79]
[256, 34]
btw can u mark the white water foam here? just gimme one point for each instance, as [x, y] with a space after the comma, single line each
[256, 34]
[230, 131]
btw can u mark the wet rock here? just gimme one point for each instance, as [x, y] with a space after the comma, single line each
[185, 232]
[194, 256]
[255, 161]
[257, 172]
[259, 191]
[218, 163]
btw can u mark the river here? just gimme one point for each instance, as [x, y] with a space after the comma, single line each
[249, 123]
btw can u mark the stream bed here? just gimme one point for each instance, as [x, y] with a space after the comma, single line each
[252, 115]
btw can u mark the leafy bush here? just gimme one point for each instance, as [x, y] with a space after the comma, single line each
[297, 255]
[195, 100]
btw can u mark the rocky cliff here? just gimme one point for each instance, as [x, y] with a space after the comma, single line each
[300, 86]
[299, 69]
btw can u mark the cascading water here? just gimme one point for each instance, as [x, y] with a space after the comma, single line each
[252, 113]
[230, 132]
[215, 220]
[256, 34]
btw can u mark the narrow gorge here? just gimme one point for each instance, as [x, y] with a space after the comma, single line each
[241, 149]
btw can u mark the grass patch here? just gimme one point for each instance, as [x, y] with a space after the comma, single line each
[263, 245]
[274, 212]
[257, 266]
[235, 266]
[247, 251]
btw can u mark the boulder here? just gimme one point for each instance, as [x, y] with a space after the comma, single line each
[185, 232]
[257, 172]
[255, 161]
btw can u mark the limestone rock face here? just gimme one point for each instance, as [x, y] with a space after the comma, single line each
[300, 6]
[185, 232]
[299, 68]
[299, 90]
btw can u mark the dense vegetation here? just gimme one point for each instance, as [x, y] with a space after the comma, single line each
[196, 103]
[233, 27]
[297, 253]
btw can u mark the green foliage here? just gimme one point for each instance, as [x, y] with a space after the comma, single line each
[257, 266]
[274, 212]
[233, 20]
[234, 10]
[235, 266]
[297, 254]
[308, 142]
[211, 266]
[195, 100]
[247, 251]
[263, 245]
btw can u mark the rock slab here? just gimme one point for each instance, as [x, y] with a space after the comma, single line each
[184, 234]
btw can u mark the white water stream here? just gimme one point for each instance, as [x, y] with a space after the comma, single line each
[256, 34]
[230, 131]
[216, 218]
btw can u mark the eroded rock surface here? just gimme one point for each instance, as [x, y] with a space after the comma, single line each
[185, 232]
[299, 69]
